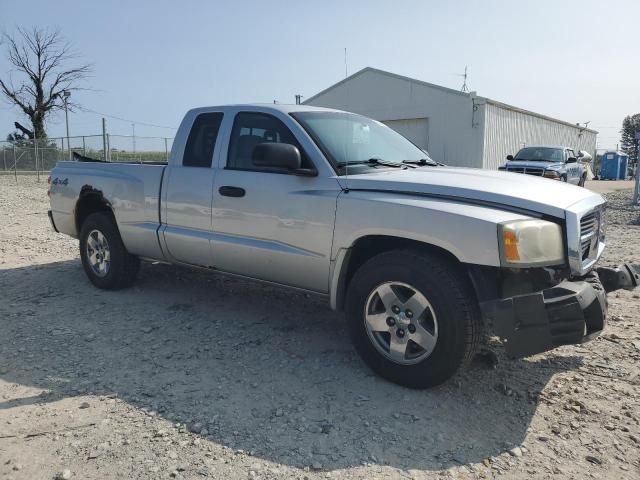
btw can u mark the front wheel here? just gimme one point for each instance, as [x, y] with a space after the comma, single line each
[413, 317]
[104, 257]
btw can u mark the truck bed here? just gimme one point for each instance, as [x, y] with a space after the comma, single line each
[133, 191]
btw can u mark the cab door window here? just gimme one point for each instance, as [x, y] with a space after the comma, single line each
[251, 129]
[570, 154]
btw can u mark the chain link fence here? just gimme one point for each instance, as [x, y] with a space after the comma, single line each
[41, 156]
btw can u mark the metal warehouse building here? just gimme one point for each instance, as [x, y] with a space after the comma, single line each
[456, 128]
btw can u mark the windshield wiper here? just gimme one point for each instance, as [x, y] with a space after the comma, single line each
[422, 162]
[372, 161]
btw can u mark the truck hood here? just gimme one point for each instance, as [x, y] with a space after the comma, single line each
[497, 188]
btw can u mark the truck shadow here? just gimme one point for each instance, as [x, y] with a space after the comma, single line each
[263, 370]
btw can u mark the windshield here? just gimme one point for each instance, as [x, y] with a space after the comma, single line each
[540, 154]
[347, 138]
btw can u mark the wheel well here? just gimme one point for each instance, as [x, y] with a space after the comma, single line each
[369, 246]
[90, 201]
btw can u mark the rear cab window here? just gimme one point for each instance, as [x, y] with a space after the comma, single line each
[202, 140]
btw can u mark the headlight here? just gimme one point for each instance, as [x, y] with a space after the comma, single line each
[603, 225]
[529, 243]
[551, 174]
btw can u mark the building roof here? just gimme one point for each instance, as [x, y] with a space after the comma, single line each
[447, 90]
[388, 74]
[506, 106]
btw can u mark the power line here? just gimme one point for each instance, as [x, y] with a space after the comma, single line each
[126, 119]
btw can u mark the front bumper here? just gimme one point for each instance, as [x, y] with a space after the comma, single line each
[566, 314]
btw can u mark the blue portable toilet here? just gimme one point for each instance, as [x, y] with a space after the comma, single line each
[614, 166]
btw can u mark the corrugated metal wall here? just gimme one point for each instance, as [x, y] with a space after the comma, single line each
[414, 129]
[507, 130]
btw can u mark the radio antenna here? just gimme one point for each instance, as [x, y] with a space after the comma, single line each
[464, 75]
[346, 73]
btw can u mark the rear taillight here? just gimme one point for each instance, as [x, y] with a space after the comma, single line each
[49, 183]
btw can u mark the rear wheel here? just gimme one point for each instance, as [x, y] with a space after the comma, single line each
[104, 257]
[413, 317]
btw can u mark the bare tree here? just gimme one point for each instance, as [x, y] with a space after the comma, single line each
[40, 57]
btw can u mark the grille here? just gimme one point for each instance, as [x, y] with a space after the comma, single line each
[586, 225]
[589, 234]
[527, 170]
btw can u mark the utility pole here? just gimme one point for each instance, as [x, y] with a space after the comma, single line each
[166, 150]
[37, 164]
[298, 99]
[35, 153]
[15, 163]
[104, 138]
[636, 191]
[65, 97]
[133, 130]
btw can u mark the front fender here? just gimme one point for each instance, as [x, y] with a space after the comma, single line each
[468, 232]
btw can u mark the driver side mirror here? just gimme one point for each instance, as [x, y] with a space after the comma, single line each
[572, 160]
[280, 155]
[509, 157]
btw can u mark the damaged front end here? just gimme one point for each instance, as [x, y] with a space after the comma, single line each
[567, 313]
[625, 276]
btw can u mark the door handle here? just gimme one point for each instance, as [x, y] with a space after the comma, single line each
[229, 191]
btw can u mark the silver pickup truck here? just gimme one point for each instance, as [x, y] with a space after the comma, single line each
[422, 258]
[556, 163]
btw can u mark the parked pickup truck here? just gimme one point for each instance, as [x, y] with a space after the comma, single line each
[421, 257]
[557, 163]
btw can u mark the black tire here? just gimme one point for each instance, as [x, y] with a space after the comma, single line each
[563, 178]
[446, 287]
[122, 267]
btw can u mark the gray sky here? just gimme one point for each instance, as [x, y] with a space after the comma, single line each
[575, 60]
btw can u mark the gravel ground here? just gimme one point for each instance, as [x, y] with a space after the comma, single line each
[190, 375]
[608, 186]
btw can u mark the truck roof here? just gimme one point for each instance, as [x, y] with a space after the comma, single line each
[546, 146]
[274, 107]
